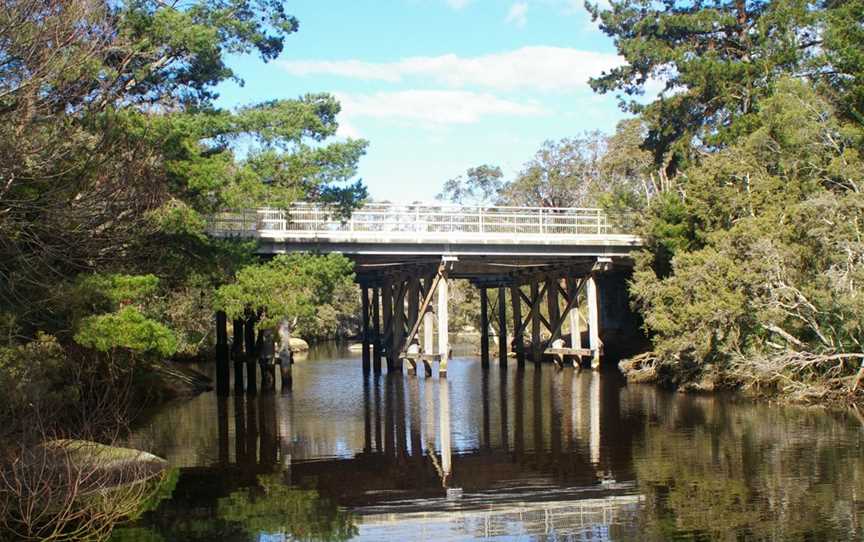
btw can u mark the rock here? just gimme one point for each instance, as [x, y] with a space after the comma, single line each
[129, 464]
[297, 344]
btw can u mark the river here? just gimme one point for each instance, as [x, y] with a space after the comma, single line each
[537, 454]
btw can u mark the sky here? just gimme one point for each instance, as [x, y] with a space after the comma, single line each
[438, 86]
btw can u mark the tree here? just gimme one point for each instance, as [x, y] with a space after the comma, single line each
[481, 185]
[715, 59]
[763, 284]
[301, 289]
[562, 173]
[113, 149]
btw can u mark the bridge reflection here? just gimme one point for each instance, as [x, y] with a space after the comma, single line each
[528, 435]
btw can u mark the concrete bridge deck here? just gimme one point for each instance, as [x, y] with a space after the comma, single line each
[428, 229]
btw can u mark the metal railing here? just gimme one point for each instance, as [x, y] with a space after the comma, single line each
[307, 219]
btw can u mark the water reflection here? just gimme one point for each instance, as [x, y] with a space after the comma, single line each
[536, 454]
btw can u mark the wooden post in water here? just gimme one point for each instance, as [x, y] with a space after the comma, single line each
[518, 343]
[387, 307]
[251, 365]
[593, 322]
[364, 302]
[398, 324]
[536, 347]
[502, 326]
[413, 315]
[376, 332]
[428, 337]
[575, 327]
[443, 329]
[223, 372]
[484, 328]
[237, 355]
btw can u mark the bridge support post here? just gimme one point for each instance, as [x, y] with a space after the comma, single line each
[413, 316]
[575, 327]
[223, 372]
[237, 355]
[428, 336]
[536, 346]
[251, 362]
[364, 302]
[502, 327]
[376, 332]
[484, 328]
[443, 339]
[387, 309]
[518, 343]
[398, 325]
[593, 322]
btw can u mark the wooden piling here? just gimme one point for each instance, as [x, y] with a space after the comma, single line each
[413, 316]
[376, 332]
[387, 308]
[364, 301]
[536, 347]
[223, 371]
[484, 328]
[443, 329]
[398, 325]
[518, 343]
[552, 306]
[593, 323]
[502, 326]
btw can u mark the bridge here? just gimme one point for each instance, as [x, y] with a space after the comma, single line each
[563, 270]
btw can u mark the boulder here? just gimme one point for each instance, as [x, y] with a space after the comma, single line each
[128, 464]
[297, 344]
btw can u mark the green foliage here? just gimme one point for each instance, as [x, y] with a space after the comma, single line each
[303, 289]
[278, 508]
[750, 259]
[116, 289]
[716, 59]
[126, 329]
[482, 185]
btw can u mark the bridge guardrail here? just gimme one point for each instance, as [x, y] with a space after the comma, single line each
[310, 219]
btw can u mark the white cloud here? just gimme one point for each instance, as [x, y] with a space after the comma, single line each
[518, 14]
[347, 129]
[538, 67]
[431, 107]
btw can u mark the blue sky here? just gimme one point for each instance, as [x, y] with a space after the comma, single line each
[438, 86]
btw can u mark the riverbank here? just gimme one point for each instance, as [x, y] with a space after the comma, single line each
[778, 379]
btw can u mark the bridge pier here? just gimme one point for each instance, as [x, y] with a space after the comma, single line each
[364, 306]
[518, 342]
[376, 331]
[484, 327]
[502, 327]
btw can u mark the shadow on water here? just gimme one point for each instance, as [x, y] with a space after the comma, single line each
[533, 453]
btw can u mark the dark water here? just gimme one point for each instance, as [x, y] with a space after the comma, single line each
[503, 455]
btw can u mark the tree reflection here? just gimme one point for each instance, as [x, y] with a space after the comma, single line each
[275, 508]
[715, 473]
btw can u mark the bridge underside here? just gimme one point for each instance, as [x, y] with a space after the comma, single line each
[538, 305]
